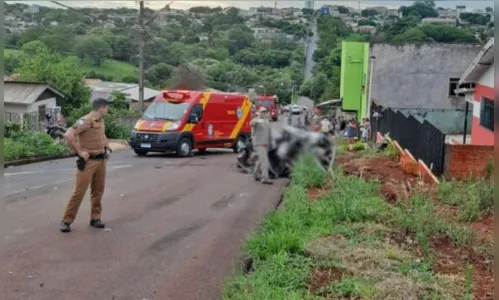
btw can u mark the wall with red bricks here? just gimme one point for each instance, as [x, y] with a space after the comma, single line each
[463, 160]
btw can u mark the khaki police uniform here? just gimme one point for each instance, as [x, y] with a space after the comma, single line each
[261, 136]
[90, 131]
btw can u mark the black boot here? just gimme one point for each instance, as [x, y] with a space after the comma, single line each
[97, 224]
[65, 227]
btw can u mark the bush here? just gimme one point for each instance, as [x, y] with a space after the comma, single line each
[12, 127]
[28, 144]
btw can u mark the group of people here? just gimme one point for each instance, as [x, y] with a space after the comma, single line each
[351, 129]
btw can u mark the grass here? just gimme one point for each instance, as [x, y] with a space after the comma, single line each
[113, 68]
[475, 198]
[342, 246]
[109, 67]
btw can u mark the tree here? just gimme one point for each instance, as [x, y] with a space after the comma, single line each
[424, 8]
[413, 35]
[427, 3]
[34, 47]
[187, 77]
[489, 9]
[32, 34]
[343, 9]
[158, 74]
[95, 48]
[366, 13]
[365, 22]
[238, 39]
[48, 66]
[474, 18]
[123, 48]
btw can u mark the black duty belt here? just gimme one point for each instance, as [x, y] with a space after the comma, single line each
[97, 156]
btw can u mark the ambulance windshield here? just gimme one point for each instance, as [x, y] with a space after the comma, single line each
[165, 111]
[265, 102]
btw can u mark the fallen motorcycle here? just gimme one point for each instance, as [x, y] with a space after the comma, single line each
[55, 131]
[285, 145]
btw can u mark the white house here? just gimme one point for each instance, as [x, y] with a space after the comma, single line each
[29, 97]
[104, 89]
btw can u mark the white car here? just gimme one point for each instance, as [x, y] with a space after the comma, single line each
[295, 109]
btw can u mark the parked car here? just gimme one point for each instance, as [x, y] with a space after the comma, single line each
[296, 110]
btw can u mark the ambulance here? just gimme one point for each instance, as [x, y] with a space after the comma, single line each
[269, 102]
[181, 121]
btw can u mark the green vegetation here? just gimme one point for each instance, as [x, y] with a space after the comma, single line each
[27, 144]
[342, 245]
[213, 45]
[475, 198]
[117, 70]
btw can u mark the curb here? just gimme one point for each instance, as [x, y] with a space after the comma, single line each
[28, 161]
[35, 160]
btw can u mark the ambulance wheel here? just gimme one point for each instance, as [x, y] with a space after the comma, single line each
[239, 144]
[184, 148]
[141, 152]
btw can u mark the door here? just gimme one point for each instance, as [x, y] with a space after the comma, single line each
[199, 129]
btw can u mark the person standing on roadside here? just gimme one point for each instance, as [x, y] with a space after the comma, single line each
[88, 139]
[316, 120]
[261, 138]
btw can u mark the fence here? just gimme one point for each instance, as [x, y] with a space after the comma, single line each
[33, 121]
[422, 139]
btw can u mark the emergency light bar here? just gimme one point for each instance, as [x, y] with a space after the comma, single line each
[174, 96]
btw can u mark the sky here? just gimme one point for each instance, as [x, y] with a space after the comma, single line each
[156, 4]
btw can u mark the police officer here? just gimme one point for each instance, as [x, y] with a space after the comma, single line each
[261, 138]
[88, 139]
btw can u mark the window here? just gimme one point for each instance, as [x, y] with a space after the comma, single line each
[487, 113]
[159, 110]
[452, 86]
[197, 110]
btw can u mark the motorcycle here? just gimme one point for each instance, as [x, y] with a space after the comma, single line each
[285, 146]
[55, 131]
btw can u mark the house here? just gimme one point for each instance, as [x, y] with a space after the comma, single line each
[409, 76]
[445, 21]
[480, 74]
[419, 75]
[104, 89]
[36, 98]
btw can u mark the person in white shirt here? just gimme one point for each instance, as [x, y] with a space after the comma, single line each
[325, 126]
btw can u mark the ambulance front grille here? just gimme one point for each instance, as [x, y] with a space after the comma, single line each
[149, 137]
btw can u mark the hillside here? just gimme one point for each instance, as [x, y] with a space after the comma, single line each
[109, 68]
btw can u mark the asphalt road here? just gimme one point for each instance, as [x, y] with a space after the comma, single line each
[175, 227]
[309, 57]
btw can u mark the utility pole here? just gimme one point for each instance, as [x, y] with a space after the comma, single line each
[141, 56]
[370, 83]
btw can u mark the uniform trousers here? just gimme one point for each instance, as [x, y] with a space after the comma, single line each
[94, 175]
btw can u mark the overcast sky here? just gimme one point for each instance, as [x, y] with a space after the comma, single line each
[470, 4]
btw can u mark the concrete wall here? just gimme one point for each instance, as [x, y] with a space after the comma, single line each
[487, 79]
[49, 103]
[417, 76]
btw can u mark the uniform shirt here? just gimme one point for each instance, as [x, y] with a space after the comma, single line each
[316, 122]
[261, 131]
[90, 130]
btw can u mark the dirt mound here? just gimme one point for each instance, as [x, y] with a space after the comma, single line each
[395, 183]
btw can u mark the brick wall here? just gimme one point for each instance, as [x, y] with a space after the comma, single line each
[463, 160]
